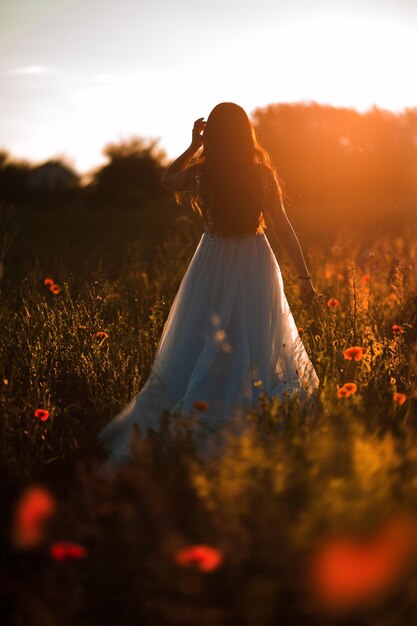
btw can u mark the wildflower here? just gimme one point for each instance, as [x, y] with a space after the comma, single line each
[65, 550]
[345, 572]
[333, 303]
[55, 288]
[397, 328]
[43, 414]
[328, 273]
[365, 278]
[343, 393]
[101, 333]
[392, 298]
[347, 390]
[399, 398]
[205, 558]
[355, 353]
[200, 405]
[34, 507]
[300, 330]
[49, 281]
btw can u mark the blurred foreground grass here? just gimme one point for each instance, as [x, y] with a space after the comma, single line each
[275, 504]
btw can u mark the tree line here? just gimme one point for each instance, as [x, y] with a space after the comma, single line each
[340, 164]
[131, 175]
[335, 163]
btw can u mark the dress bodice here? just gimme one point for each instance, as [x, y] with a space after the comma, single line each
[209, 225]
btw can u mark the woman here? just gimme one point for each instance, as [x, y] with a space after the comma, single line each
[230, 325]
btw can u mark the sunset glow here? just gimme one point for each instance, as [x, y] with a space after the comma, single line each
[82, 75]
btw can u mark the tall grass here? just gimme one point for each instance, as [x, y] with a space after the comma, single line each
[267, 498]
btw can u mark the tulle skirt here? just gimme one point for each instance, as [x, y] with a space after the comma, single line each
[229, 335]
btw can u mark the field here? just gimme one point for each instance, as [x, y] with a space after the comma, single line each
[308, 518]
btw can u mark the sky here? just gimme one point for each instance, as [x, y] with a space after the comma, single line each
[78, 74]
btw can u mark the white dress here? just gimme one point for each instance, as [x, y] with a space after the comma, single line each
[229, 326]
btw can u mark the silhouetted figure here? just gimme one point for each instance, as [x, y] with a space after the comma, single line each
[230, 325]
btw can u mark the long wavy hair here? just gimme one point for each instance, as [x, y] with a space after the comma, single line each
[231, 172]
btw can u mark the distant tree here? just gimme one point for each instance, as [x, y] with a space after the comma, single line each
[133, 173]
[409, 135]
[13, 178]
[48, 183]
[4, 155]
[53, 175]
[53, 183]
[340, 165]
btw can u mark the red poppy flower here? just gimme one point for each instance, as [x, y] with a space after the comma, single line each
[399, 398]
[49, 281]
[55, 288]
[300, 330]
[204, 558]
[43, 414]
[397, 328]
[333, 303]
[343, 393]
[65, 550]
[355, 353]
[392, 298]
[200, 405]
[346, 572]
[347, 390]
[35, 506]
[365, 278]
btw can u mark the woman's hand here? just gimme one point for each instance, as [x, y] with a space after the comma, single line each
[307, 291]
[197, 139]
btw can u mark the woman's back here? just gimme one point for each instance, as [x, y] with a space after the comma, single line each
[240, 211]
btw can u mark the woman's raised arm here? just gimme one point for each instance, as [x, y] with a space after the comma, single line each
[172, 179]
[175, 178]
